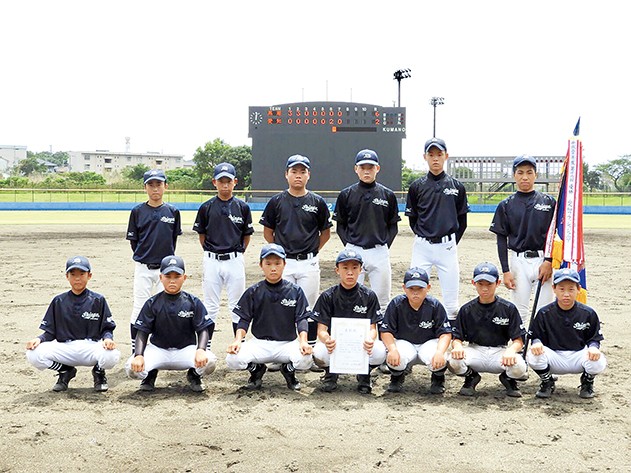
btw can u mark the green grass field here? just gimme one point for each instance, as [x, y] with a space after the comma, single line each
[84, 217]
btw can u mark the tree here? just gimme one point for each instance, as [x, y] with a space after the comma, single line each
[182, 178]
[135, 173]
[592, 180]
[619, 170]
[30, 165]
[217, 151]
[408, 176]
[60, 158]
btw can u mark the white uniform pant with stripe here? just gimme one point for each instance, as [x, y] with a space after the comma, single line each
[526, 274]
[322, 356]
[171, 359]
[487, 360]
[445, 257]
[306, 274]
[377, 268]
[566, 361]
[146, 283]
[219, 274]
[256, 350]
[73, 353]
[411, 354]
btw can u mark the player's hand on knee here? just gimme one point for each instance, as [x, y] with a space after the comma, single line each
[368, 346]
[201, 359]
[234, 347]
[138, 364]
[509, 359]
[109, 344]
[33, 344]
[305, 348]
[438, 361]
[536, 349]
[593, 354]
[457, 353]
[394, 358]
[330, 345]
[509, 280]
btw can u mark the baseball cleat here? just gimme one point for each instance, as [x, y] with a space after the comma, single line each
[100, 380]
[546, 388]
[364, 384]
[587, 386]
[470, 382]
[396, 382]
[257, 370]
[438, 383]
[149, 383]
[195, 381]
[289, 373]
[512, 390]
[64, 379]
[329, 381]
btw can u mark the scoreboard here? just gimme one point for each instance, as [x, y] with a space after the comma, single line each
[330, 134]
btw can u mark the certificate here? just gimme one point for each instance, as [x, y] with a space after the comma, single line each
[349, 355]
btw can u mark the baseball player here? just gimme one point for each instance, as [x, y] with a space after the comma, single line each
[152, 232]
[437, 209]
[179, 327]
[367, 214]
[521, 223]
[78, 331]
[277, 310]
[348, 299]
[488, 323]
[566, 338]
[415, 329]
[224, 225]
[299, 221]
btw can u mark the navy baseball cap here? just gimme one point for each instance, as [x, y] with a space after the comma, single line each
[273, 249]
[440, 144]
[297, 159]
[416, 277]
[224, 170]
[486, 271]
[366, 156]
[566, 274]
[524, 159]
[172, 264]
[348, 255]
[154, 174]
[78, 262]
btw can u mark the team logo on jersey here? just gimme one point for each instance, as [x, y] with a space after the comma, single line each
[185, 314]
[378, 201]
[90, 315]
[543, 207]
[310, 208]
[288, 302]
[360, 309]
[500, 320]
[235, 219]
[426, 324]
[167, 219]
[581, 325]
[450, 191]
[384, 325]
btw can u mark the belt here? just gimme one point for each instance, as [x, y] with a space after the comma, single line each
[152, 265]
[443, 239]
[529, 254]
[302, 256]
[222, 256]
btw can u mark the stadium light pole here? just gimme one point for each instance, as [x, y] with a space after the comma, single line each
[434, 101]
[398, 76]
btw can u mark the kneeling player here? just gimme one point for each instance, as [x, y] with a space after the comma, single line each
[78, 329]
[180, 329]
[488, 323]
[277, 310]
[415, 329]
[353, 300]
[566, 338]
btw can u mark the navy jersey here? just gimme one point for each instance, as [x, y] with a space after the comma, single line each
[155, 231]
[224, 223]
[275, 311]
[367, 215]
[173, 320]
[572, 329]
[77, 317]
[358, 303]
[415, 326]
[489, 325]
[297, 221]
[524, 218]
[435, 204]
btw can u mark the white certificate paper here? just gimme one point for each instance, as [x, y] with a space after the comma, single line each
[349, 355]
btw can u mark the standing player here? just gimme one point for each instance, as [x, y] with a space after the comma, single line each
[277, 311]
[152, 232]
[437, 209]
[352, 300]
[488, 323]
[78, 329]
[520, 224]
[566, 338]
[415, 329]
[180, 329]
[367, 214]
[299, 221]
[224, 225]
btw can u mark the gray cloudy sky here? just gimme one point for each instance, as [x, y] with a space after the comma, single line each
[82, 75]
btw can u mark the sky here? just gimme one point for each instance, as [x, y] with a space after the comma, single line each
[515, 76]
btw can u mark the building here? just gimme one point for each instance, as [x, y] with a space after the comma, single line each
[10, 155]
[107, 162]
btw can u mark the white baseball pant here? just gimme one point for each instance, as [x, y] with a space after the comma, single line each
[445, 257]
[256, 350]
[218, 274]
[73, 353]
[526, 274]
[411, 354]
[171, 359]
[377, 268]
[566, 361]
[306, 274]
[322, 356]
[487, 360]
[146, 283]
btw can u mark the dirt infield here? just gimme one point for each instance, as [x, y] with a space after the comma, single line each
[225, 429]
